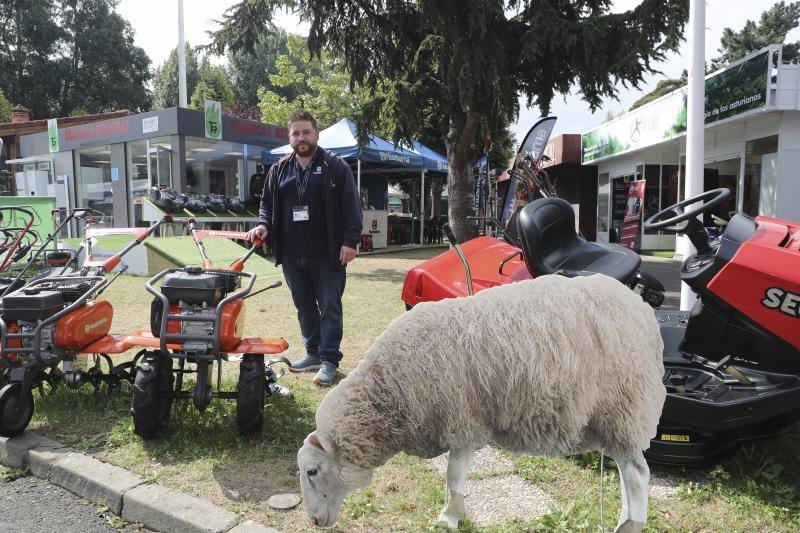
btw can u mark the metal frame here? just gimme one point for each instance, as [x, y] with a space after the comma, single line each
[167, 338]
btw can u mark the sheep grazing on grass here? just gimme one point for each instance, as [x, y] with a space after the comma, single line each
[551, 366]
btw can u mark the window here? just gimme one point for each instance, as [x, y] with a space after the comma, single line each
[760, 173]
[137, 174]
[602, 203]
[93, 181]
[213, 167]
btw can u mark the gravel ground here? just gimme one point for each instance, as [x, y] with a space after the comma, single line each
[31, 505]
[486, 460]
[493, 500]
[501, 495]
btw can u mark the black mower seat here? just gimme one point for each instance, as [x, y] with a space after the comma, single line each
[550, 244]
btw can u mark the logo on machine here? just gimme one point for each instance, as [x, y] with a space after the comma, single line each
[787, 302]
[94, 325]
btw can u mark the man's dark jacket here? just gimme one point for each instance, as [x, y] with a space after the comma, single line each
[343, 218]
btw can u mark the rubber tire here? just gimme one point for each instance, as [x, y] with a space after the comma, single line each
[13, 423]
[250, 395]
[149, 408]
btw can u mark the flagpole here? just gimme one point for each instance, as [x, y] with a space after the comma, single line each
[182, 98]
[695, 124]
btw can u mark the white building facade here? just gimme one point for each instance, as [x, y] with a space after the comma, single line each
[752, 147]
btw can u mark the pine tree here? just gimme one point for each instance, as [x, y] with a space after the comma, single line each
[772, 28]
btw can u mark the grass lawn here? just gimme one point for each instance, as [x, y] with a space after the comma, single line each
[756, 489]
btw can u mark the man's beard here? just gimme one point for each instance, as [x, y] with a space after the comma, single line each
[304, 150]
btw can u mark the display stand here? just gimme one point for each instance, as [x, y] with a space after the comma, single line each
[230, 221]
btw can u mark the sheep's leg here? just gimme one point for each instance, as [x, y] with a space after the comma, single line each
[634, 476]
[458, 465]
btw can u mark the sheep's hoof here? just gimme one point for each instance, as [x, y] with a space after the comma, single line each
[449, 520]
[630, 526]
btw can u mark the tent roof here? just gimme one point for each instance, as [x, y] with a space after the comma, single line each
[340, 138]
[434, 161]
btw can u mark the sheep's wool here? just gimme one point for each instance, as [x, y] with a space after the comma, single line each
[550, 366]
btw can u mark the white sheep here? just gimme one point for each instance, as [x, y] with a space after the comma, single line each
[551, 366]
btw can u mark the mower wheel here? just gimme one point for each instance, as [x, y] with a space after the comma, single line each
[250, 392]
[16, 410]
[150, 406]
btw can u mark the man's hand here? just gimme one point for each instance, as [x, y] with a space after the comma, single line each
[259, 232]
[347, 254]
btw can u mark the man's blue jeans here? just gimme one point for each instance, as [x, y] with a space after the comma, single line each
[317, 285]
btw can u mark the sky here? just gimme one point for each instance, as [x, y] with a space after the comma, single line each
[156, 27]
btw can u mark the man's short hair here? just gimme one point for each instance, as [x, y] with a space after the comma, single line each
[303, 115]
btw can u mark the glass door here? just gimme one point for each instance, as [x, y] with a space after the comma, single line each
[160, 166]
[602, 207]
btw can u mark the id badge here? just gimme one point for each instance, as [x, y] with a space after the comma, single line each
[300, 213]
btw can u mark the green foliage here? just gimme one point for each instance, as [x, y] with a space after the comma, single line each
[55, 58]
[78, 112]
[249, 71]
[319, 84]
[772, 28]
[211, 85]
[662, 87]
[5, 108]
[165, 79]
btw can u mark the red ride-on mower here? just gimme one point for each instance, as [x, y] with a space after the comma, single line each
[732, 363]
[50, 320]
[555, 246]
[197, 317]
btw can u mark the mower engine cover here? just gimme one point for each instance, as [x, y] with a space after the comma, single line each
[193, 286]
[235, 204]
[32, 304]
[194, 203]
[216, 202]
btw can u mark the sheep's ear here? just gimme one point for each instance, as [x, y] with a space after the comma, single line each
[321, 442]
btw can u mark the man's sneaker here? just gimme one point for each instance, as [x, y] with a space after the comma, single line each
[309, 363]
[326, 374]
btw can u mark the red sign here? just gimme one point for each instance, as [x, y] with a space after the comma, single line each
[101, 129]
[633, 214]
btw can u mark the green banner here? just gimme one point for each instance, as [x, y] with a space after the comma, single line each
[213, 119]
[52, 133]
[737, 89]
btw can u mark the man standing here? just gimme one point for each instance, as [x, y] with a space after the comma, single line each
[311, 210]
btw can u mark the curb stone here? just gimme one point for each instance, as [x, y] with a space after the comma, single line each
[154, 506]
[175, 511]
[92, 479]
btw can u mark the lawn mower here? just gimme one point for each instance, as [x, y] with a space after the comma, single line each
[216, 202]
[17, 237]
[197, 318]
[732, 363]
[558, 247]
[194, 204]
[167, 199]
[53, 319]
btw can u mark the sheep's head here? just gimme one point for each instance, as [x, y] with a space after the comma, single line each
[324, 482]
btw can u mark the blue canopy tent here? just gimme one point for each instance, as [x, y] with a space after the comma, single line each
[378, 156]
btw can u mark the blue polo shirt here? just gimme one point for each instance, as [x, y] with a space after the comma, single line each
[308, 237]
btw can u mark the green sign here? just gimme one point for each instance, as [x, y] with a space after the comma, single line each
[213, 119]
[739, 88]
[52, 133]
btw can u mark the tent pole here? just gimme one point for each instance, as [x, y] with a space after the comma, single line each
[358, 180]
[421, 206]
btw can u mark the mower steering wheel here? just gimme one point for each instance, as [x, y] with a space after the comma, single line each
[710, 199]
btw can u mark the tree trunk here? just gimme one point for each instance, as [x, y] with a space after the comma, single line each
[459, 143]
